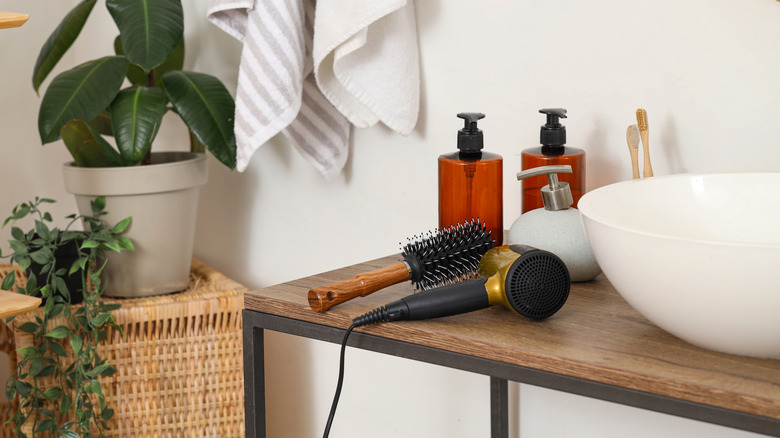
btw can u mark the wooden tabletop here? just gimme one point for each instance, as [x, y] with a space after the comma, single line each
[12, 303]
[12, 19]
[596, 336]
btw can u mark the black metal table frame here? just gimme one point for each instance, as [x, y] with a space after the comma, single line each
[254, 323]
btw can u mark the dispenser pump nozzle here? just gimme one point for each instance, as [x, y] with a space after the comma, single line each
[470, 138]
[556, 195]
[553, 133]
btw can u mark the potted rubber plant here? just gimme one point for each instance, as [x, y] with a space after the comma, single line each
[124, 96]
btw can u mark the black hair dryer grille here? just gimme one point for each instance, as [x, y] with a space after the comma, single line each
[537, 284]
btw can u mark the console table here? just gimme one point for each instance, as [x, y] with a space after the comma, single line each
[596, 346]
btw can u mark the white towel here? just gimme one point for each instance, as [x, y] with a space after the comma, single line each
[276, 88]
[365, 61]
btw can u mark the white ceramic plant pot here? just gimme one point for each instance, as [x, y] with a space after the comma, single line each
[162, 199]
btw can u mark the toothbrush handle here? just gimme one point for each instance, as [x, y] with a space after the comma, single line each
[648, 169]
[635, 162]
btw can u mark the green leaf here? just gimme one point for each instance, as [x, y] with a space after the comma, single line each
[111, 246]
[136, 115]
[65, 404]
[58, 332]
[98, 370]
[207, 109]
[58, 308]
[126, 243]
[107, 414]
[87, 147]
[45, 425]
[18, 247]
[89, 244]
[48, 370]
[76, 342]
[101, 124]
[23, 388]
[24, 262]
[96, 387]
[121, 226]
[29, 327]
[101, 319]
[58, 349]
[8, 281]
[136, 74]
[149, 30]
[79, 265]
[42, 230]
[41, 256]
[26, 352]
[52, 393]
[60, 41]
[80, 93]
[35, 367]
[60, 286]
[98, 206]
[17, 233]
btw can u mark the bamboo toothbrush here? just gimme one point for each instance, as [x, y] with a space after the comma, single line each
[632, 136]
[641, 118]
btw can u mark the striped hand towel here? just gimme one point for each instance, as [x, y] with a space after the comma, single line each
[276, 85]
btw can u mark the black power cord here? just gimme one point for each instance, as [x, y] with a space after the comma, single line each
[340, 382]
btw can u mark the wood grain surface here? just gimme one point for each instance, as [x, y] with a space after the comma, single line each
[596, 336]
[12, 19]
[12, 303]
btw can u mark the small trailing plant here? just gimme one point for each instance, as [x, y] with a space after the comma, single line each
[74, 405]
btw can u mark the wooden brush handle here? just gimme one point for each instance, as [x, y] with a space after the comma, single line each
[325, 297]
[635, 162]
[648, 169]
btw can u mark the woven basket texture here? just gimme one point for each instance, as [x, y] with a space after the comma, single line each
[179, 365]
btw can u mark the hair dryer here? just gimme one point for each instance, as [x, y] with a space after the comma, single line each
[530, 282]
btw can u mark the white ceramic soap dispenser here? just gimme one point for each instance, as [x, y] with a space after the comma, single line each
[556, 227]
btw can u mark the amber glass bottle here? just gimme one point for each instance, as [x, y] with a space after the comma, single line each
[552, 151]
[470, 182]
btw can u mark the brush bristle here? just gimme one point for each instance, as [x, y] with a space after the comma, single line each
[447, 256]
[641, 119]
[632, 134]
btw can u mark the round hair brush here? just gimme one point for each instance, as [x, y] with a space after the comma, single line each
[441, 257]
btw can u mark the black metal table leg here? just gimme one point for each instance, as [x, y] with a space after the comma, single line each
[499, 407]
[254, 379]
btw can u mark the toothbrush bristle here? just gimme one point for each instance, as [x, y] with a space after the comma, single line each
[632, 133]
[641, 118]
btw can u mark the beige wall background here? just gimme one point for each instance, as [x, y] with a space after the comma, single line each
[706, 71]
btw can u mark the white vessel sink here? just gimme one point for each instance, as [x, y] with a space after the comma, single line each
[698, 255]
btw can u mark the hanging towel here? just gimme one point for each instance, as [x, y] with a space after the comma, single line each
[308, 78]
[366, 61]
[276, 86]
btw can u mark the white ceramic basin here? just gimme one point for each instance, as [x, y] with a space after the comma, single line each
[698, 255]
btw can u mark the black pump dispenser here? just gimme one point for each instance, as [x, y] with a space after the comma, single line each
[470, 137]
[552, 136]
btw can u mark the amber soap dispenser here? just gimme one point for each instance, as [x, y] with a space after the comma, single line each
[470, 182]
[552, 152]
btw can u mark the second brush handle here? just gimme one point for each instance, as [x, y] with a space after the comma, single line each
[648, 169]
[325, 297]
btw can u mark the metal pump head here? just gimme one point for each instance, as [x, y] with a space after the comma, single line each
[556, 195]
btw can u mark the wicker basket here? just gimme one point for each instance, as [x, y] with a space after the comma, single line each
[180, 364]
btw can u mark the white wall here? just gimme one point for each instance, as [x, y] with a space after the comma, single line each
[706, 71]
